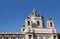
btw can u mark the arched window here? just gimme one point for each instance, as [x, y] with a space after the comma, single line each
[51, 24]
[23, 29]
[28, 22]
[54, 37]
[38, 23]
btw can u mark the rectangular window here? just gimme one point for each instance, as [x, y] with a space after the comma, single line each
[47, 37]
[20, 38]
[41, 37]
[35, 37]
[30, 36]
[6, 38]
[13, 38]
[0, 37]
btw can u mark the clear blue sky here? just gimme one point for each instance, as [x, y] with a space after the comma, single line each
[13, 13]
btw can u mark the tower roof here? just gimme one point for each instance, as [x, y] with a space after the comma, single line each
[34, 13]
[49, 19]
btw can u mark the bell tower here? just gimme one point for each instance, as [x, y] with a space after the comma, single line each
[28, 22]
[50, 23]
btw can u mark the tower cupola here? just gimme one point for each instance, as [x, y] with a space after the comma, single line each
[35, 19]
[50, 23]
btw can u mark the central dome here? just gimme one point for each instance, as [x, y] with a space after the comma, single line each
[35, 13]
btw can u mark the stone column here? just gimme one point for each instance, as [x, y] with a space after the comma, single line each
[9, 37]
[1, 37]
[52, 37]
[23, 38]
[44, 37]
[32, 37]
[57, 37]
[38, 37]
[26, 36]
[16, 37]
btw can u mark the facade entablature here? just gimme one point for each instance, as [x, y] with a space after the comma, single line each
[43, 30]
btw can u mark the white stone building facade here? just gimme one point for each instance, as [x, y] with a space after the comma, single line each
[33, 28]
